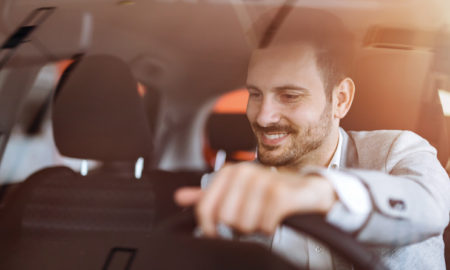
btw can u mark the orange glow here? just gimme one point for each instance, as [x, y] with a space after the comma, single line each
[233, 102]
[244, 155]
[141, 89]
[62, 65]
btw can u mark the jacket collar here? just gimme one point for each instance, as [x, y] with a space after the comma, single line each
[349, 154]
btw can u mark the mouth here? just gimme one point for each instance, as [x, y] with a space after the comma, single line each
[272, 138]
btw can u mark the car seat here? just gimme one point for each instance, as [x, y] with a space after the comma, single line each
[394, 90]
[97, 115]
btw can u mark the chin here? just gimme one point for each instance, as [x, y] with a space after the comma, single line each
[273, 159]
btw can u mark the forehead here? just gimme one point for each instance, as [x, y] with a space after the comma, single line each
[281, 65]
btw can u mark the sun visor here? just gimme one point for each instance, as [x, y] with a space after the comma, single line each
[55, 33]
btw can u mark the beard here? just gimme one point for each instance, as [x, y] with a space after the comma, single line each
[302, 141]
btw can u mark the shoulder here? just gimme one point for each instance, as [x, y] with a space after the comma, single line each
[383, 134]
[386, 139]
[384, 147]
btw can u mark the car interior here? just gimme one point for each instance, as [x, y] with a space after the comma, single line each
[107, 107]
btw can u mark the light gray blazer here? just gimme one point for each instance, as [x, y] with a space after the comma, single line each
[410, 192]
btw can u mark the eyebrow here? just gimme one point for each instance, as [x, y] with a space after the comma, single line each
[281, 88]
[250, 86]
[291, 87]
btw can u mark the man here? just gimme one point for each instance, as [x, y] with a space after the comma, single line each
[385, 187]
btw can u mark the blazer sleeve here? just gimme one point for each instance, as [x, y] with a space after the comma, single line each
[410, 196]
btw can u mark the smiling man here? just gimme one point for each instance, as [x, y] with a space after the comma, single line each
[385, 187]
[292, 121]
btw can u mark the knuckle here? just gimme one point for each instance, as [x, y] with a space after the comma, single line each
[278, 190]
[203, 211]
[226, 218]
[224, 170]
[246, 167]
[241, 169]
[267, 229]
[246, 228]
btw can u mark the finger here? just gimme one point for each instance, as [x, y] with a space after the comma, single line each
[251, 212]
[207, 208]
[276, 200]
[188, 196]
[235, 196]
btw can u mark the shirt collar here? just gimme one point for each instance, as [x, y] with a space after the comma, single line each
[336, 159]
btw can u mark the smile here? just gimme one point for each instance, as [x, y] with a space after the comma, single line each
[273, 138]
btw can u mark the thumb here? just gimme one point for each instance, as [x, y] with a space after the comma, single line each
[188, 196]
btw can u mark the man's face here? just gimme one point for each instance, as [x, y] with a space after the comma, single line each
[287, 108]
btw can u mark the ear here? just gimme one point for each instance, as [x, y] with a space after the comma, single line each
[343, 97]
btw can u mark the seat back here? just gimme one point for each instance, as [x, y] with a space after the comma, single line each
[59, 200]
[97, 114]
[395, 90]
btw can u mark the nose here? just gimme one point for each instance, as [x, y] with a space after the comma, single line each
[268, 113]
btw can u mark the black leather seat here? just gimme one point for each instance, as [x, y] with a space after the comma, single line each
[97, 115]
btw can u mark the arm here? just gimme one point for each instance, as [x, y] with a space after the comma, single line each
[410, 198]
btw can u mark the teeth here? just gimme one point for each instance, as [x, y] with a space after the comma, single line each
[274, 136]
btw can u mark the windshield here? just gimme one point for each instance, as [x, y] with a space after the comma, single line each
[187, 87]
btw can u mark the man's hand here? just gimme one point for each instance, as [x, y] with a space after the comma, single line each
[250, 198]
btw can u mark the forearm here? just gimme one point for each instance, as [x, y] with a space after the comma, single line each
[405, 209]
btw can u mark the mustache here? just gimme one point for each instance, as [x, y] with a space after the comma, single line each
[274, 128]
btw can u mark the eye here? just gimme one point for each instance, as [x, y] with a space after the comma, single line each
[288, 97]
[254, 94]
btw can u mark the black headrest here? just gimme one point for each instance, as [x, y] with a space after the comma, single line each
[230, 132]
[98, 114]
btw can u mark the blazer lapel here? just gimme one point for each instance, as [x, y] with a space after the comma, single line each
[349, 156]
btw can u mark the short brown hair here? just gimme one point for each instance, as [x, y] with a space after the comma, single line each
[332, 42]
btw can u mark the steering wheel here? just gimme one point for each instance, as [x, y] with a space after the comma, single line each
[312, 224]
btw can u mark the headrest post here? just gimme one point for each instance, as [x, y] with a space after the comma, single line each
[138, 168]
[221, 157]
[84, 168]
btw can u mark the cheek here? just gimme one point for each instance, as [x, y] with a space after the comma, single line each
[252, 111]
[303, 115]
